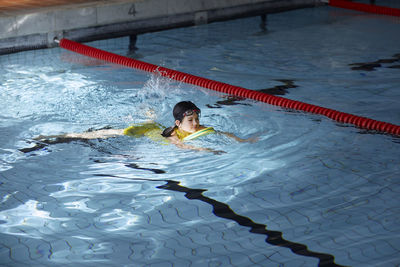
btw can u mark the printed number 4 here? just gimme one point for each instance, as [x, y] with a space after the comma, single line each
[132, 10]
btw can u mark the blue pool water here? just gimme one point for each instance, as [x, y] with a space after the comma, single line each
[309, 190]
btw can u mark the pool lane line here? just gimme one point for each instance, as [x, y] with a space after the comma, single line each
[274, 238]
[361, 122]
[382, 10]
[224, 211]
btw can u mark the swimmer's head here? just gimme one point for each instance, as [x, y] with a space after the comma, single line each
[185, 108]
[182, 110]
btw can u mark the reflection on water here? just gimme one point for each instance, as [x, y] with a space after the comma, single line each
[29, 220]
[307, 193]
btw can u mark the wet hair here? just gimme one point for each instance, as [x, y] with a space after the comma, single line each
[181, 107]
[179, 113]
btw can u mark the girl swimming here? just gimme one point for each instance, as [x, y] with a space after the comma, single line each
[187, 127]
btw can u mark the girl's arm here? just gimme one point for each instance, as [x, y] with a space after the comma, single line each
[105, 133]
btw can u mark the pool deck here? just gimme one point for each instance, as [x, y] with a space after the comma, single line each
[33, 24]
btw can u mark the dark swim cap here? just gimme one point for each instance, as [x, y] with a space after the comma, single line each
[184, 108]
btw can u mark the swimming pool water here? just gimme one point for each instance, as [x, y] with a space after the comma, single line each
[309, 189]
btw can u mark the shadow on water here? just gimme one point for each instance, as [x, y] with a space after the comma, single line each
[43, 144]
[280, 89]
[274, 238]
[371, 66]
[223, 210]
[137, 167]
[229, 101]
[276, 90]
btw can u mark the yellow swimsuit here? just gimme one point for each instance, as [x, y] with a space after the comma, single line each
[151, 130]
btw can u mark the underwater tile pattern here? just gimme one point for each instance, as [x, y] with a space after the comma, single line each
[186, 226]
[312, 193]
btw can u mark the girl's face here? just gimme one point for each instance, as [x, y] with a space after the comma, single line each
[189, 123]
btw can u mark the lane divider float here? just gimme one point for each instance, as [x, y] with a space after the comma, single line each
[389, 11]
[361, 122]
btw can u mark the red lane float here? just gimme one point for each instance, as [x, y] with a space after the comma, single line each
[365, 7]
[342, 117]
